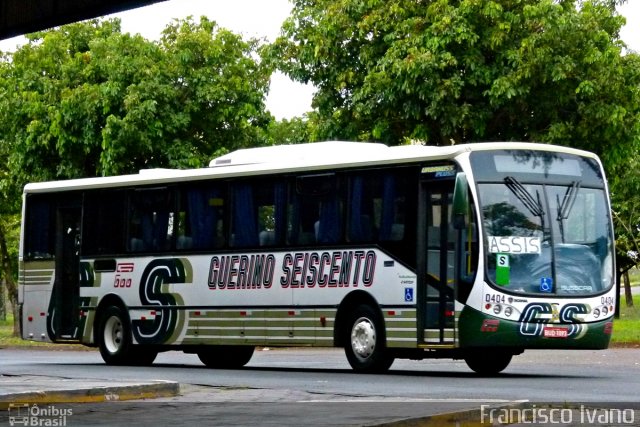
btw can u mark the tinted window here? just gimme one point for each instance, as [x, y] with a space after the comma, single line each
[151, 220]
[39, 227]
[377, 207]
[316, 211]
[104, 222]
[258, 217]
[201, 219]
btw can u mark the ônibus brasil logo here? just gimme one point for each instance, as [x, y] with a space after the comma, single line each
[25, 414]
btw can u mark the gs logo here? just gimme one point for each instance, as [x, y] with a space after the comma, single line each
[536, 315]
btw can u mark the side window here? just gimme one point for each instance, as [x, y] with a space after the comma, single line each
[151, 220]
[258, 216]
[271, 201]
[201, 219]
[39, 228]
[377, 207]
[316, 211]
[104, 222]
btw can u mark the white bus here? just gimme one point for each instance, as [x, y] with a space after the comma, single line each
[473, 252]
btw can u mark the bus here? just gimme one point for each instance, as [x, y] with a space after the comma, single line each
[473, 252]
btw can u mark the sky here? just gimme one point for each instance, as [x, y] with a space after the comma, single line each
[262, 19]
[251, 18]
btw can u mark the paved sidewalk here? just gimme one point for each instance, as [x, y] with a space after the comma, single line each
[42, 389]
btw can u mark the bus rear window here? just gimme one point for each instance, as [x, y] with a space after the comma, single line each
[39, 228]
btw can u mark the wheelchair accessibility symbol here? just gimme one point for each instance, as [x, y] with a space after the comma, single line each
[408, 294]
[546, 284]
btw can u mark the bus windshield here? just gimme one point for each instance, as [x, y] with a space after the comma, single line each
[542, 216]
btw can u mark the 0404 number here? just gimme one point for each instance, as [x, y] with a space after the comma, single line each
[607, 300]
[494, 298]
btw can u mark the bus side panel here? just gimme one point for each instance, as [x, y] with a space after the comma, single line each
[401, 327]
[220, 299]
[36, 283]
[252, 326]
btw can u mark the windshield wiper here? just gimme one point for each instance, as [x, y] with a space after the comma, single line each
[534, 206]
[565, 207]
[531, 203]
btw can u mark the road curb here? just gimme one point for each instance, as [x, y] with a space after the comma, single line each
[463, 418]
[95, 394]
[468, 418]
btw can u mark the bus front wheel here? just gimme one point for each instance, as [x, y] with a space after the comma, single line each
[365, 345]
[116, 347]
[488, 362]
[226, 356]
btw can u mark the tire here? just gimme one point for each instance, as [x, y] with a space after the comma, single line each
[143, 356]
[365, 345]
[114, 340]
[226, 356]
[488, 362]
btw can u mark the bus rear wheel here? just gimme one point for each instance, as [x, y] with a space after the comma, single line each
[226, 356]
[488, 362]
[116, 347]
[365, 345]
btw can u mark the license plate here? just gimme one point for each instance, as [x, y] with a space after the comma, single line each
[556, 332]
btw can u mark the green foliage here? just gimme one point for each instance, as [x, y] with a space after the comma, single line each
[87, 100]
[624, 180]
[625, 188]
[295, 131]
[465, 70]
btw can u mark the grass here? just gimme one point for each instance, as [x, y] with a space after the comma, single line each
[634, 276]
[8, 340]
[626, 329]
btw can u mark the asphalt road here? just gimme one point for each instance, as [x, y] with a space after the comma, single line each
[316, 387]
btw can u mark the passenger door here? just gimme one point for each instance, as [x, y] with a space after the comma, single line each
[437, 258]
[63, 311]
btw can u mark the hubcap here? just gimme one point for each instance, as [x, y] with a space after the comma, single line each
[113, 334]
[363, 338]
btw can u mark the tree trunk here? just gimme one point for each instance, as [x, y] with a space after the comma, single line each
[628, 297]
[3, 301]
[12, 288]
[617, 285]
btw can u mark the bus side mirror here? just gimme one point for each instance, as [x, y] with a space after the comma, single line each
[460, 202]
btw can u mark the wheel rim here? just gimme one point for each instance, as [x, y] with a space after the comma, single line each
[363, 338]
[113, 334]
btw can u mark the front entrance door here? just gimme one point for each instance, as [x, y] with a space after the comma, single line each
[437, 270]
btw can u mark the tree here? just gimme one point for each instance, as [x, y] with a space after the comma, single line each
[294, 131]
[86, 100]
[445, 71]
[207, 96]
[624, 179]
[625, 187]
[9, 237]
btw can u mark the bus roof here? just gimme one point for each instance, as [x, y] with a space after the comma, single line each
[315, 156]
